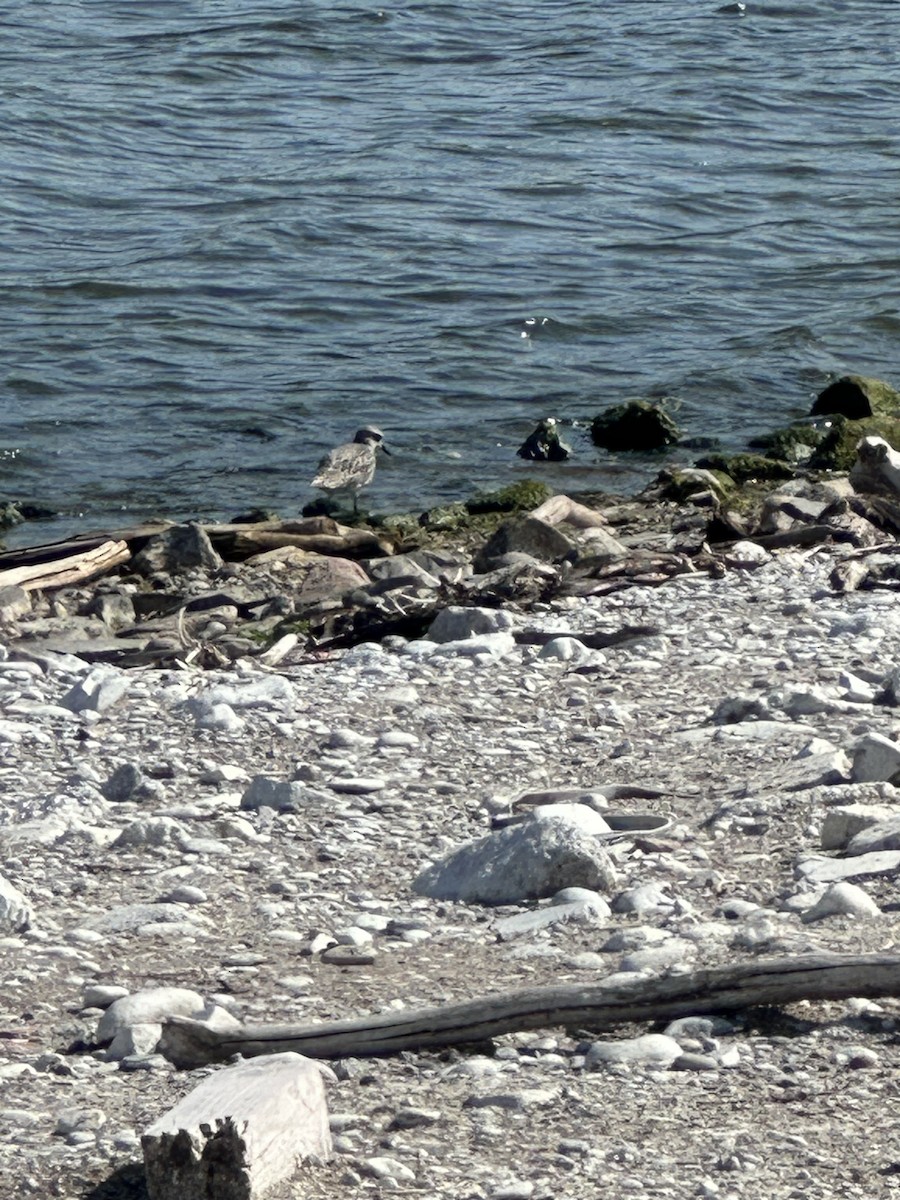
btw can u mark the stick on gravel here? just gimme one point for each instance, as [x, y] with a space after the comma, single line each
[772, 981]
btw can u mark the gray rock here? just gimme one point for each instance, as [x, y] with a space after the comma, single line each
[358, 785]
[149, 831]
[522, 862]
[845, 821]
[220, 718]
[876, 758]
[15, 602]
[99, 690]
[266, 692]
[691, 1061]
[176, 550]
[101, 995]
[455, 623]
[842, 899]
[128, 918]
[524, 535]
[649, 1048]
[139, 1039]
[553, 914]
[282, 795]
[568, 649]
[494, 645]
[128, 783]
[149, 1006]
[15, 912]
[883, 835]
[818, 869]
[642, 898]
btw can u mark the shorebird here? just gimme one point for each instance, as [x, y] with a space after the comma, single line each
[347, 468]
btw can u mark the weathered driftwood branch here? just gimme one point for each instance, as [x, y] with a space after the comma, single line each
[599, 1006]
[63, 572]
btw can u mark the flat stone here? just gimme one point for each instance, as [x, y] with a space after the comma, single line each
[842, 899]
[845, 821]
[282, 795]
[882, 835]
[554, 914]
[358, 785]
[649, 1048]
[454, 623]
[818, 869]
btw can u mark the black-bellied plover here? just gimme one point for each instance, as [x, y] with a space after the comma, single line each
[347, 468]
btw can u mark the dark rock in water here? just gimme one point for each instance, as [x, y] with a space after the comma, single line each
[524, 535]
[543, 444]
[635, 425]
[856, 397]
[180, 548]
[746, 467]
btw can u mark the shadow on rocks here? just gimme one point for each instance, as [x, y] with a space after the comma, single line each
[127, 1183]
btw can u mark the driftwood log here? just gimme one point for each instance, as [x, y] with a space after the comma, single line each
[64, 572]
[600, 1006]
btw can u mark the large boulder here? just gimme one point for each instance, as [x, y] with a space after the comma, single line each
[635, 425]
[555, 848]
[180, 548]
[857, 397]
[524, 535]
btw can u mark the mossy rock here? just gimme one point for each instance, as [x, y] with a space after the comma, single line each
[679, 483]
[515, 497]
[837, 449]
[635, 425]
[793, 444]
[746, 468]
[446, 516]
[857, 397]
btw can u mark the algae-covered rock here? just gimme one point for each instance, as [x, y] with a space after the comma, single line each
[837, 449]
[792, 444]
[744, 468]
[679, 483]
[515, 497]
[635, 425]
[856, 397]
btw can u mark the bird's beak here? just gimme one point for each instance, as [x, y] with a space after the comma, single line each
[383, 447]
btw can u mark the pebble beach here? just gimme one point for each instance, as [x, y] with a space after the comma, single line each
[256, 844]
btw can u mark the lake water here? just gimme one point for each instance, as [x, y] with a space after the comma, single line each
[234, 232]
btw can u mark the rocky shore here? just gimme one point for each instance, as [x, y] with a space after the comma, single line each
[292, 785]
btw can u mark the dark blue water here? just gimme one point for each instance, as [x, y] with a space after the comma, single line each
[233, 233]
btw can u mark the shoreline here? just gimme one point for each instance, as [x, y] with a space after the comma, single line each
[253, 829]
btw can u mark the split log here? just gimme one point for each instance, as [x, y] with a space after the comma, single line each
[240, 1132]
[599, 1006]
[64, 572]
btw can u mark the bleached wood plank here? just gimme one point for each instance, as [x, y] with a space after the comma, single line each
[239, 1132]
